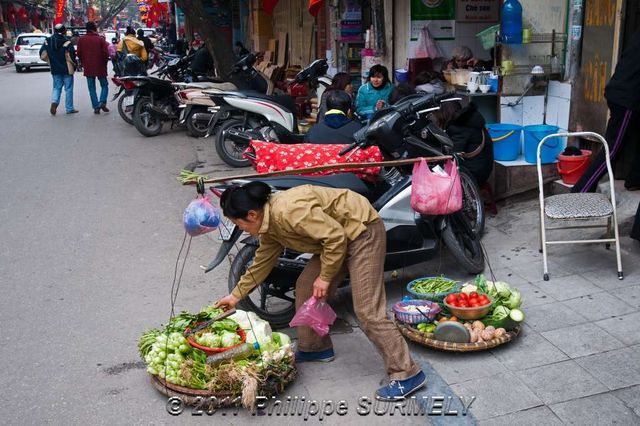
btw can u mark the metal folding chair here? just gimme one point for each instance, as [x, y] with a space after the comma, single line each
[578, 207]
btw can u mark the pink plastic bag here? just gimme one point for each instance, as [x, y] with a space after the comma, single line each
[315, 314]
[433, 194]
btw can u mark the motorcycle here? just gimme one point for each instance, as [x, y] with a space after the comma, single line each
[412, 238]
[270, 116]
[6, 55]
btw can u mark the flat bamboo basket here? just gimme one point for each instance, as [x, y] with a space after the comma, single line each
[426, 339]
[210, 400]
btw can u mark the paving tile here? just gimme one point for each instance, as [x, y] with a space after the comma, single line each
[530, 349]
[533, 270]
[596, 410]
[595, 257]
[533, 296]
[531, 417]
[568, 287]
[607, 278]
[616, 369]
[560, 382]
[630, 295]
[456, 368]
[582, 340]
[624, 328]
[631, 397]
[551, 316]
[507, 275]
[599, 306]
[497, 395]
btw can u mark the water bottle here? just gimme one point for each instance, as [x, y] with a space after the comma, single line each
[511, 25]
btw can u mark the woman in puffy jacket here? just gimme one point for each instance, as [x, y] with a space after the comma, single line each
[374, 94]
[466, 128]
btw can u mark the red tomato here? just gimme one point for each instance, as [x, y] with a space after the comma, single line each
[474, 304]
[473, 299]
[451, 298]
[473, 294]
[463, 296]
[463, 304]
[455, 303]
[484, 300]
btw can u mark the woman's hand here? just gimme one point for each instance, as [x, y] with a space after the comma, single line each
[230, 301]
[320, 288]
[379, 105]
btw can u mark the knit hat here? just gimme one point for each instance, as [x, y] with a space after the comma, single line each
[60, 28]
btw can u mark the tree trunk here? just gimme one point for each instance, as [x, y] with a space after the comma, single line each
[221, 51]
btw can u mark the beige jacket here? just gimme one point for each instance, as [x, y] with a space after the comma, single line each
[135, 47]
[308, 219]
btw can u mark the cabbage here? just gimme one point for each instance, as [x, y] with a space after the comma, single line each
[515, 300]
[210, 340]
[503, 289]
[500, 312]
[281, 339]
[257, 329]
[228, 339]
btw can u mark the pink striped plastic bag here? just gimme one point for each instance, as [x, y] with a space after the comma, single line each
[434, 194]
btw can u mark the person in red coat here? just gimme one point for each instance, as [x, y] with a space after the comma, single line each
[94, 55]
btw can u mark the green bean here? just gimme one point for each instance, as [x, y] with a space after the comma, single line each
[433, 285]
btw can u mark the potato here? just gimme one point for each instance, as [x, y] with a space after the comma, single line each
[500, 332]
[474, 336]
[478, 325]
[468, 326]
[491, 328]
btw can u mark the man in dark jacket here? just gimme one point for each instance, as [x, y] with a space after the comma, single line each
[337, 126]
[202, 63]
[623, 98]
[148, 45]
[62, 60]
[94, 55]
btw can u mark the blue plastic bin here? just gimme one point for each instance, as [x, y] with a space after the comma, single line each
[506, 141]
[402, 75]
[551, 149]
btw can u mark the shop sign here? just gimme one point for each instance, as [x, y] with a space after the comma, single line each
[477, 11]
[438, 15]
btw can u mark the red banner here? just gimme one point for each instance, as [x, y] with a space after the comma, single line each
[269, 5]
[59, 11]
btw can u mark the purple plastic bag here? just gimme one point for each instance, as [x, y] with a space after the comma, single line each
[315, 314]
[200, 217]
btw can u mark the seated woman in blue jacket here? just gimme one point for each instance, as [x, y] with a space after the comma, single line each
[374, 95]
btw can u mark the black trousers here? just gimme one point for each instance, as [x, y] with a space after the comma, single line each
[623, 128]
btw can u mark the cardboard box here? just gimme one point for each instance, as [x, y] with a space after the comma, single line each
[262, 24]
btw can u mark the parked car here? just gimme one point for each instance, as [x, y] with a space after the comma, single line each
[27, 51]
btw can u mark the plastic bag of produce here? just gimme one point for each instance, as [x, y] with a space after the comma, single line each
[200, 217]
[436, 193]
[315, 314]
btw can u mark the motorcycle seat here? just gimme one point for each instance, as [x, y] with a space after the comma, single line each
[340, 180]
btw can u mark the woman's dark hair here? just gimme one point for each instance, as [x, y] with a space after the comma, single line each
[130, 31]
[382, 70]
[237, 200]
[91, 26]
[447, 112]
[339, 99]
[340, 81]
[399, 92]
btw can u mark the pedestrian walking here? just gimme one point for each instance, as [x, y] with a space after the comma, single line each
[623, 98]
[94, 54]
[344, 233]
[61, 55]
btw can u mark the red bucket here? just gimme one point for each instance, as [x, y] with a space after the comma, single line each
[571, 167]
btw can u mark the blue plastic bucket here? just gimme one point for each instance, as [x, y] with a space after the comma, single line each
[402, 75]
[550, 150]
[506, 141]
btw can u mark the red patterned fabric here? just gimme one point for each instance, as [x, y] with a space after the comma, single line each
[272, 157]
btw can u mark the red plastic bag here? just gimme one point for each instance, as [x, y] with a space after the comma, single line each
[433, 193]
[315, 314]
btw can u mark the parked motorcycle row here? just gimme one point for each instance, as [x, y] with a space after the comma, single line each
[233, 118]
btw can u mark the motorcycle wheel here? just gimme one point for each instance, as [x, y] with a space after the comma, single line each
[472, 204]
[463, 244]
[277, 311]
[229, 151]
[125, 112]
[197, 129]
[147, 123]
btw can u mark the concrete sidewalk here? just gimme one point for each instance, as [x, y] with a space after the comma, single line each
[576, 362]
